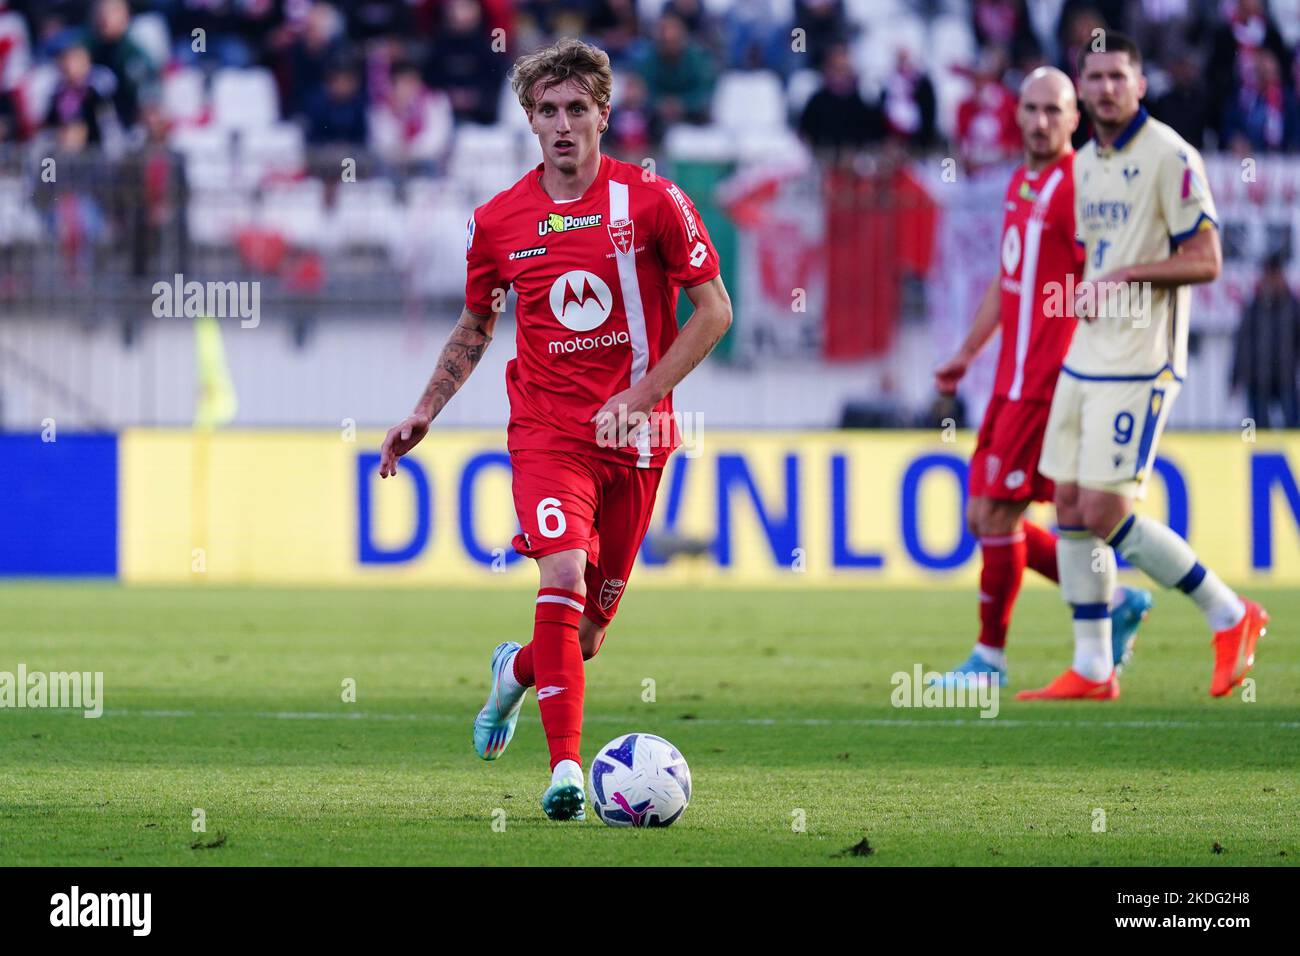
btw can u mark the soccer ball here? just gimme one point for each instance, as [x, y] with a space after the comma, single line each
[639, 780]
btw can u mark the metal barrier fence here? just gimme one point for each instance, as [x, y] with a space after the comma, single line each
[881, 270]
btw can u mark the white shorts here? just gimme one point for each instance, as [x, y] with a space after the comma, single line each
[1103, 433]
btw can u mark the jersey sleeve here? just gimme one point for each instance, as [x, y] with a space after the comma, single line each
[1185, 198]
[685, 248]
[1063, 220]
[482, 280]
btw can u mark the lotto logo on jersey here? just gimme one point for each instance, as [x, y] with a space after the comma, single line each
[557, 223]
[581, 300]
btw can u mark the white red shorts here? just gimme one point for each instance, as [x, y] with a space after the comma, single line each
[566, 501]
[1005, 463]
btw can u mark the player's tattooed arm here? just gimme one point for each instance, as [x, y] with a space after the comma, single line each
[460, 356]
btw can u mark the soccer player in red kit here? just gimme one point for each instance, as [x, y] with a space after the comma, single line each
[596, 251]
[1027, 301]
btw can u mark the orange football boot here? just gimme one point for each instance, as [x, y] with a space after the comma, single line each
[1074, 686]
[1234, 649]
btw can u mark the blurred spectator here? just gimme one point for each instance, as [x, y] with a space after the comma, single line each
[465, 66]
[678, 74]
[634, 129]
[50, 20]
[1164, 26]
[336, 113]
[82, 102]
[614, 25]
[1004, 25]
[234, 34]
[413, 124]
[1268, 349]
[1078, 28]
[320, 43]
[757, 35]
[824, 24]
[15, 61]
[551, 18]
[371, 19]
[1183, 106]
[987, 132]
[12, 128]
[836, 120]
[909, 102]
[699, 24]
[1262, 117]
[111, 47]
[1247, 29]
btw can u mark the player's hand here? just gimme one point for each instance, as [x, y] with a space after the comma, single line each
[623, 414]
[951, 372]
[1088, 294]
[400, 439]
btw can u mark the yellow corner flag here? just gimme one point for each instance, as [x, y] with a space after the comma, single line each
[215, 402]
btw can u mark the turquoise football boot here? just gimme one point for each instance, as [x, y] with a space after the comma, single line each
[495, 724]
[1125, 620]
[972, 672]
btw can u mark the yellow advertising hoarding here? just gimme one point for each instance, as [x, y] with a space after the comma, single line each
[841, 508]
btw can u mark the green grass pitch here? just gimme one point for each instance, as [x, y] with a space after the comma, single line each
[229, 701]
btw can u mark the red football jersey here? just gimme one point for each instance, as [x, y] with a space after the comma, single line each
[1038, 253]
[597, 280]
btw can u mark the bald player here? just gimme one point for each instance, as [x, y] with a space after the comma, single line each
[1038, 253]
[1150, 230]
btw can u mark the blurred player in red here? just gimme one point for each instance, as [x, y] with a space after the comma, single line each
[596, 251]
[1026, 301]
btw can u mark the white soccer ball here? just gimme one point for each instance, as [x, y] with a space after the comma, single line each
[639, 780]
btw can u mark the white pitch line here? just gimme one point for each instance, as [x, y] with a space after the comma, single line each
[740, 721]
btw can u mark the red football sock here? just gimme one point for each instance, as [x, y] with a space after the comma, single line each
[1042, 551]
[559, 671]
[1000, 577]
[523, 665]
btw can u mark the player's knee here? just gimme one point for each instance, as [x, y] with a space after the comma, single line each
[975, 516]
[567, 574]
[1099, 515]
[1001, 518]
[1067, 504]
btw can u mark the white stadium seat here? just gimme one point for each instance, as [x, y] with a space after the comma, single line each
[276, 150]
[150, 33]
[803, 84]
[749, 99]
[207, 156]
[296, 211]
[245, 99]
[366, 213]
[19, 221]
[183, 96]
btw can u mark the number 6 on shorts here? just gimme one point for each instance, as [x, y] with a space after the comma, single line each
[548, 509]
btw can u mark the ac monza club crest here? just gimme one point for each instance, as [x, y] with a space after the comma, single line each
[622, 233]
[581, 300]
[992, 465]
[609, 592]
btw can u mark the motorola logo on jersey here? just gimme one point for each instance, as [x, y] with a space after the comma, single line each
[580, 300]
